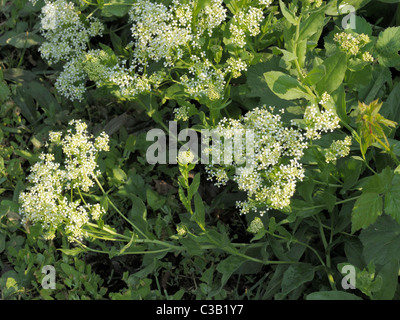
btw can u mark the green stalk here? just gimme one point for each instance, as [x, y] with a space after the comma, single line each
[118, 211]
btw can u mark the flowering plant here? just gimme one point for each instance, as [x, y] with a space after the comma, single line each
[305, 154]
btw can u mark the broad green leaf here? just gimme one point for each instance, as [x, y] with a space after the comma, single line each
[257, 87]
[27, 105]
[295, 276]
[389, 274]
[353, 250]
[392, 199]
[388, 47]
[381, 241]
[155, 200]
[25, 40]
[69, 270]
[138, 210]
[18, 75]
[117, 8]
[335, 69]
[332, 295]
[315, 75]
[285, 86]
[119, 174]
[44, 98]
[366, 211]
[380, 182]
[391, 107]
[4, 91]
[228, 266]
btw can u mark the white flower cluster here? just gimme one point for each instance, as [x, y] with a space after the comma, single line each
[353, 43]
[318, 122]
[338, 149]
[172, 34]
[66, 34]
[245, 22]
[267, 166]
[271, 170]
[181, 113]
[167, 34]
[325, 98]
[236, 66]
[185, 157]
[49, 200]
[204, 80]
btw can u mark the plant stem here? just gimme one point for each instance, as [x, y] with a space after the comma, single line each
[118, 211]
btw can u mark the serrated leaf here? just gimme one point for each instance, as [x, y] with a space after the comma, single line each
[388, 47]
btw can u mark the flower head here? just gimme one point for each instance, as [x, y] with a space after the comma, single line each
[49, 198]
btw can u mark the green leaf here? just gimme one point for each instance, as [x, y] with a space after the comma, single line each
[72, 252]
[285, 86]
[25, 40]
[388, 47]
[44, 98]
[138, 211]
[296, 275]
[194, 186]
[391, 107]
[335, 69]
[313, 24]
[155, 200]
[392, 199]
[256, 86]
[288, 14]
[332, 295]
[381, 241]
[119, 175]
[228, 266]
[4, 91]
[117, 8]
[315, 75]
[389, 274]
[366, 210]
[199, 211]
[27, 105]
[70, 271]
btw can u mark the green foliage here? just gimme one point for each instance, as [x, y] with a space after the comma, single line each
[169, 232]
